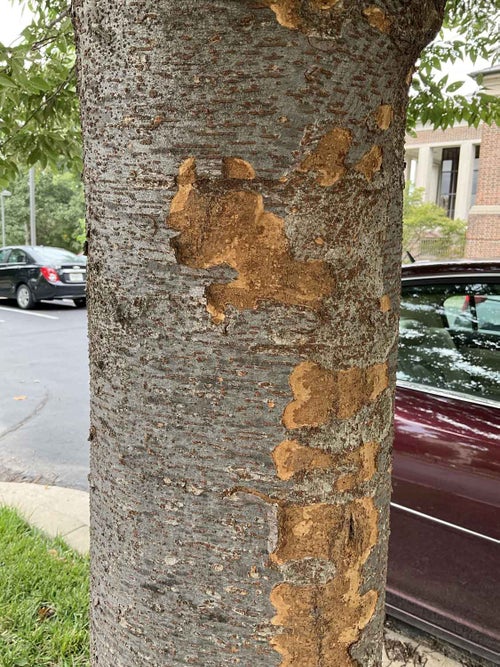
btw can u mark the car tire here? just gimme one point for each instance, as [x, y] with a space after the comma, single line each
[24, 297]
[80, 303]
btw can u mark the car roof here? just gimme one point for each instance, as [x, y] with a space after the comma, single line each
[463, 266]
[47, 254]
[34, 249]
[30, 247]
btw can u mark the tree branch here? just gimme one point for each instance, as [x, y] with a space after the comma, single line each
[46, 101]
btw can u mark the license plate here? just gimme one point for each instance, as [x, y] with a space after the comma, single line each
[75, 277]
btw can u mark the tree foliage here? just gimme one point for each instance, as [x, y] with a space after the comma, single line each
[427, 230]
[40, 125]
[470, 31]
[60, 211]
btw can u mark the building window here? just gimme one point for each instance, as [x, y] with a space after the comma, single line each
[475, 173]
[447, 192]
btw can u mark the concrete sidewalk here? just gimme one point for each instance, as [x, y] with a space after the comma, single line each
[65, 512]
[55, 510]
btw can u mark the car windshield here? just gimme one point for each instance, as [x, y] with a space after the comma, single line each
[58, 255]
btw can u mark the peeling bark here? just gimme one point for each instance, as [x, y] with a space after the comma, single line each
[370, 163]
[221, 225]
[243, 173]
[319, 393]
[328, 159]
[384, 116]
[352, 468]
[377, 18]
[290, 458]
[321, 622]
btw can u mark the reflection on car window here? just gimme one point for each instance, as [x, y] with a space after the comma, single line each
[450, 337]
[3, 256]
[50, 255]
[17, 257]
[475, 312]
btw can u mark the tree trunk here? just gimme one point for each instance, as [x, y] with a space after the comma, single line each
[243, 171]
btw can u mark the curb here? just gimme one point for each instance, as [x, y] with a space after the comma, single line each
[55, 510]
[403, 651]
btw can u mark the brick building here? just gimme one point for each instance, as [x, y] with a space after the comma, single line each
[459, 169]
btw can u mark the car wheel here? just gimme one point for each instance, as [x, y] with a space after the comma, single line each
[24, 297]
[80, 303]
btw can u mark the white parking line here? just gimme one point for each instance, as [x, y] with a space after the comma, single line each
[28, 312]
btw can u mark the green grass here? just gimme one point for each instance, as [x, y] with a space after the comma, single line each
[44, 593]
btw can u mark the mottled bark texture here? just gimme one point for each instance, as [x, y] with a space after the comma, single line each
[243, 170]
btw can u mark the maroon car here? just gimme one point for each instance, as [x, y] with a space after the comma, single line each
[444, 556]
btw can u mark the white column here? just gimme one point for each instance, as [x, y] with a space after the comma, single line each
[423, 178]
[464, 180]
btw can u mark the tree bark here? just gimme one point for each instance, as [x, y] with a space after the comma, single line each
[243, 173]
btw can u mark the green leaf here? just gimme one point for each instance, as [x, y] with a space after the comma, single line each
[39, 82]
[34, 157]
[7, 81]
[453, 87]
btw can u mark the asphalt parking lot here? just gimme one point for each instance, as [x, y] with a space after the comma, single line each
[44, 395]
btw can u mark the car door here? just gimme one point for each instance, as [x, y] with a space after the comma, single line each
[14, 271]
[445, 539]
[4, 283]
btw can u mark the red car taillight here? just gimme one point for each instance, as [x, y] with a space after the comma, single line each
[50, 274]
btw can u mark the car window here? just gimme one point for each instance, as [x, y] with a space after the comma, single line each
[450, 337]
[17, 257]
[3, 256]
[474, 312]
[55, 255]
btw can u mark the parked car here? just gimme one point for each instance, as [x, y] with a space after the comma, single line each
[444, 552]
[32, 273]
